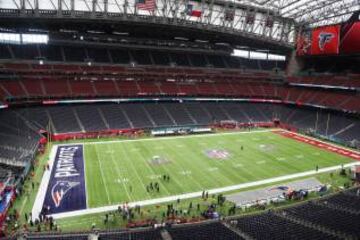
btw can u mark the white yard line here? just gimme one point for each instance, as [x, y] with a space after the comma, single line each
[170, 137]
[198, 194]
[23, 205]
[152, 171]
[134, 169]
[102, 176]
[176, 153]
[85, 175]
[122, 178]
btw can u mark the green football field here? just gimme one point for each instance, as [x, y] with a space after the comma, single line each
[119, 171]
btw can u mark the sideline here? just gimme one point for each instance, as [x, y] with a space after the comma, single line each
[40, 196]
[169, 137]
[329, 146]
[198, 194]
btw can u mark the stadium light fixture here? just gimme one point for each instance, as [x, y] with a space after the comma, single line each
[10, 38]
[181, 38]
[201, 41]
[241, 47]
[121, 33]
[67, 31]
[222, 44]
[240, 53]
[258, 55]
[35, 38]
[95, 32]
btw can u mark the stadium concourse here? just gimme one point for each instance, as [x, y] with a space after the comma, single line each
[261, 93]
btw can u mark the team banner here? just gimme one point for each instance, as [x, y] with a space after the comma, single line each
[325, 40]
[331, 40]
[66, 190]
[350, 38]
[303, 46]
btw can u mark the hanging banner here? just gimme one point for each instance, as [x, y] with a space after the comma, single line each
[325, 40]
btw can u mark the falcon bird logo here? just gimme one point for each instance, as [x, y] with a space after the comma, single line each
[59, 190]
[325, 38]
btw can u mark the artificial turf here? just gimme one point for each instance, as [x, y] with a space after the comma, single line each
[119, 171]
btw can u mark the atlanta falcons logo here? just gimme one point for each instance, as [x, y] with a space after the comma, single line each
[59, 190]
[325, 38]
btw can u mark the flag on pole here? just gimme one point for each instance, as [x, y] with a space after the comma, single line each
[148, 5]
[194, 9]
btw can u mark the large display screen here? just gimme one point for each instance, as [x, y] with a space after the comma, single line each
[319, 41]
[331, 40]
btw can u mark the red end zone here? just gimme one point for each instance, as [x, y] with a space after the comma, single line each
[320, 144]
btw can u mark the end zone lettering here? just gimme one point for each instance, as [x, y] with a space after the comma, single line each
[66, 190]
[65, 166]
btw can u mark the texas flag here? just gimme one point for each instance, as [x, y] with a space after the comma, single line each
[194, 9]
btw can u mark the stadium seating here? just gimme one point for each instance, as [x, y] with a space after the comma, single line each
[81, 54]
[56, 88]
[99, 117]
[327, 218]
[83, 69]
[344, 201]
[321, 215]
[65, 74]
[96, 117]
[115, 117]
[351, 80]
[64, 119]
[203, 232]
[18, 144]
[90, 118]
[149, 234]
[270, 226]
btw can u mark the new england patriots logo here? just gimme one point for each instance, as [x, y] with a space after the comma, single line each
[325, 38]
[59, 190]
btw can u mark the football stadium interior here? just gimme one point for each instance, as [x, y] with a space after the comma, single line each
[183, 120]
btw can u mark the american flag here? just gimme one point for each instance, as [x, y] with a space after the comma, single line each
[148, 5]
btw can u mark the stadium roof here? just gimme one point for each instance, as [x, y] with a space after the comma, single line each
[255, 23]
[313, 12]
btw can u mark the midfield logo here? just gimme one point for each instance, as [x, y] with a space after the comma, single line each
[217, 153]
[59, 190]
